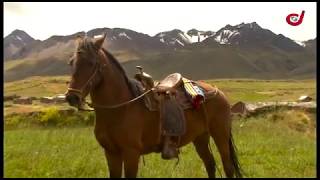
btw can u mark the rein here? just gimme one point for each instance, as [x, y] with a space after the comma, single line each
[116, 105]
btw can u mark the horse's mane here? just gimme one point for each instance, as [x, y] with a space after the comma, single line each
[123, 72]
[88, 45]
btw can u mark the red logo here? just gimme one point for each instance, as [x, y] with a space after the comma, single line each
[294, 19]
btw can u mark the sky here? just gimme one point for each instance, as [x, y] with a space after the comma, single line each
[43, 20]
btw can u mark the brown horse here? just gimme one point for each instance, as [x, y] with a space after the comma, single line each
[129, 131]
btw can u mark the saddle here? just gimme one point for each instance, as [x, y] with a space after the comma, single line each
[169, 84]
[169, 98]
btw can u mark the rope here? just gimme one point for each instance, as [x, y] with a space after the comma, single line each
[118, 105]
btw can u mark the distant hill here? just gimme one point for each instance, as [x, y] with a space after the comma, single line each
[252, 35]
[240, 51]
[311, 45]
[229, 62]
[15, 42]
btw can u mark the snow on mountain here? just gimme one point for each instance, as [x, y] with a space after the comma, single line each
[123, 34]
[301, 43]
[199, 36]
[224, 36]
[252, 35]
[240, 34]
[179, 38]
[19, 38]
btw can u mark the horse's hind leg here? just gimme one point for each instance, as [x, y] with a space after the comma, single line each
[115, 164]
[220, 131]
[201, 144]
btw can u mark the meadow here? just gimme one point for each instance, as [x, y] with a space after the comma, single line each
[277, 144]
[248, 90]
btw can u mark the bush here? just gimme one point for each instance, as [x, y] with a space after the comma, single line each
[50, 117]
[13, 120]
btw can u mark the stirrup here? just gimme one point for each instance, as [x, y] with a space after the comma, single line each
[169, 152]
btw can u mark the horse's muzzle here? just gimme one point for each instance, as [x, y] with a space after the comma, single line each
[73, 100]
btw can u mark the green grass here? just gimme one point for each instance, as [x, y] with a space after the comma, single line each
[37, 86]
[12, 63]
[250, 90]
[266, 148]
[48, 117]
[280, 144]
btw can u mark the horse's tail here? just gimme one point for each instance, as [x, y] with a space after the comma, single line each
[234, 158]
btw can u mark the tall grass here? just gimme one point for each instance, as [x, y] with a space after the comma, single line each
[49, 117]
[267, 147]
[54, 144]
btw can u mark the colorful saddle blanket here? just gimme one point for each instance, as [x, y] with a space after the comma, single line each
[194, 92]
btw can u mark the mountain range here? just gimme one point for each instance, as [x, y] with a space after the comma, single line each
[245, 50]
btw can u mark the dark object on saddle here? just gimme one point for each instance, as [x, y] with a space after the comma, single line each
[170, 98]
[172, 116]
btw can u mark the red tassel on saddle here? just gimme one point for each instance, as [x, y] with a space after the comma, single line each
[197, 101]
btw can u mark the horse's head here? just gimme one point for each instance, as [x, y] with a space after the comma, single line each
[87, 65]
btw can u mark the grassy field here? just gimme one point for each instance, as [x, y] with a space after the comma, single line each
[37, 86]
[265, 148]
[279, 144]
[248, 90]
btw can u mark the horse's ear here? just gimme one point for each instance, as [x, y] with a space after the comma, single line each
[99, 42]
[79, 38]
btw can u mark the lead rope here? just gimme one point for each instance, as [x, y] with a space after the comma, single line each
[112, 106]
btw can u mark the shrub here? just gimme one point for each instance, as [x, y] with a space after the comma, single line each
[50, 117]
[13, 120]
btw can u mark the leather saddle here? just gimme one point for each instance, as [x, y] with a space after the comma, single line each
[169, 98]
[169, 84]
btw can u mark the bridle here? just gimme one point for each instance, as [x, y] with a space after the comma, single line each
[89, 82]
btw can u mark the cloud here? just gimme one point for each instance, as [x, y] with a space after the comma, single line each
[14, 8]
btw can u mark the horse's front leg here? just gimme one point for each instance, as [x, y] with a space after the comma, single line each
[114, 161]
[131, 162]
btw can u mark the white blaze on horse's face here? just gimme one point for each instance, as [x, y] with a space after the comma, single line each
[85, 67]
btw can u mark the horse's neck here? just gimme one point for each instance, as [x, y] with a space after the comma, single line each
[113, 89]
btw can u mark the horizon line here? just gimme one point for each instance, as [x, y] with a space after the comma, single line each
[148, 33]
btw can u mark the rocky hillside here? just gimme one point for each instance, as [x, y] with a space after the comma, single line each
[15, 42]
[243, 50]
